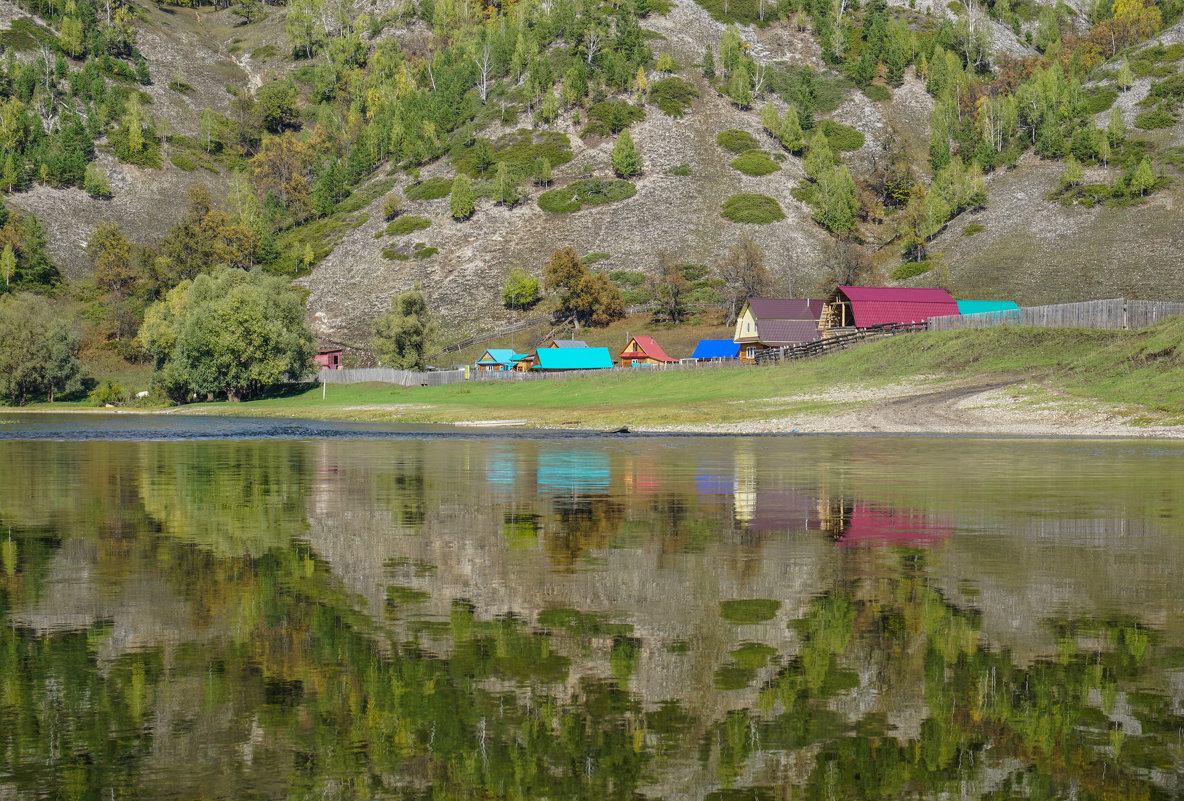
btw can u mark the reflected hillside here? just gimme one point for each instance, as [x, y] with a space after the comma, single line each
[466, 618]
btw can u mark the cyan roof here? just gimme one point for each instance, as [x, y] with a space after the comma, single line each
[980, 306]
[574, 359]
[501, 356]
[716, 349]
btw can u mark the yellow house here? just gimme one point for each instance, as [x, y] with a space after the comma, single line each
[775, 323]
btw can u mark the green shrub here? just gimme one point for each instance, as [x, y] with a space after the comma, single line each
[407, 224]
[909, 269]
[431, 189]
[673, 96]
[682, 170]
[107, 392]
[595, 256]
[148, 155]
[519, 151]
[628, 279]
[1169, 87]
[755, 162]
[744, 12]
[880, 94]
[183, 161]
[1150, 120]
[182, 87]
[263, 52]
[972, 229]
[748, 207]
[393, 254]
[736, 141]
[423, 253]
[588, 192]
[841, 137]
[1101, 101]
[611, 117]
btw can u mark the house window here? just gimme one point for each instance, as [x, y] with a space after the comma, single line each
[747, 326]
[750, 352]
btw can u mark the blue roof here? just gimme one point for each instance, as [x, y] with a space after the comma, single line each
[574, 358]
[980, 306]
[716, 349]
[502, 356]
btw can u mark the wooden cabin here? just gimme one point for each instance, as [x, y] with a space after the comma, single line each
[496, 359]
[867, 306]
[776, 323]
[328, 358]
[643, 350]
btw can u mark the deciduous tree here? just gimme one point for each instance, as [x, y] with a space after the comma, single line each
[405, 336]
[744, 273]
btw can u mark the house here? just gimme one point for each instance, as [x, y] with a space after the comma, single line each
[711, 349]
[568, 343]
[526, 363]
[775, 323]
[554, 360]
[867, 306]
[983, 306]
[499, 359]
[643, 350]
[328, 358]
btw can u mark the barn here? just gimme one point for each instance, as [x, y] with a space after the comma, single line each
[867, 306]
[328, 359]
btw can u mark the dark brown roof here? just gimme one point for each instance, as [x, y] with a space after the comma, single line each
[786, 308]
[787, 332]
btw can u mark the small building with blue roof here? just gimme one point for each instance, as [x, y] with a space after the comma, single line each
[984, 306]
[709, 349]
[561, 359]
[499, 359]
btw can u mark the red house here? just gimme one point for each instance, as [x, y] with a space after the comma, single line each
[643, 350]
[328, 358]
[865, 306]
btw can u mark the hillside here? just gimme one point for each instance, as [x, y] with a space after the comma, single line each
[1020, 243]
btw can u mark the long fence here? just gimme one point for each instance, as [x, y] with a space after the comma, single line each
[1112, 314]
[387, 375]
[830, 344]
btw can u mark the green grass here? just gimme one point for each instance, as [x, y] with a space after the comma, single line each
[183, 161]
[518, 151]
[264, 52]
[737, 141]
[973, 228]
[595, 256]
[588, 192]
[673, 96]
[1142, 371]
[748, 207]
[681, 170]
[1101, 100]
[1150, 120]
[911, 268]
[755, 162]
[26, 34]
[431, 189]
[407, 224]
[841, 137]
[878, 93]
[749, 610]
[182, 87]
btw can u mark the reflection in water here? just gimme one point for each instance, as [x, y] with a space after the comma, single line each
[723, 619]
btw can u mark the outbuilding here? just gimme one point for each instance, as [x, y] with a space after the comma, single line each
[776, 323]
[867, 306]
[568, 343]
[643, 350]
[328, 358]
[499, 359]
[709, 350]
[555, 360]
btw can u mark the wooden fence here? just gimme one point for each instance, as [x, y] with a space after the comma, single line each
[837, 342]
[1112, 314]
[386, 375]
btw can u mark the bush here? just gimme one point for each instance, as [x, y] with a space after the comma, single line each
[106, 393]
[182, 87]
[755, 162]
[748, 207]
[880, 94]
[95, 182]
[673, 96]
[588, 192]
[841, 137]
[405, 225]
[1101, 101]
[972, 229]
[183, 161]
[1150, 120]
[611, 117]
[520, 151]
[736, 141]
[682, 170]
[421, 252]
[148, 155]
[392, 207]
[521, 290]
[431, 189]
[909, 269]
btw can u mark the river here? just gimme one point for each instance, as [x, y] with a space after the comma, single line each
[237, 608]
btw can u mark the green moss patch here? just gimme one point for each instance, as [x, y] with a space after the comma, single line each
[681, 170]
[673, 96]
[880, 94]
[748, 207]
[911, 268]
[588, 192]
[736, 141]
[406, 224]
[755, 162]
[431, 189]
[747, 611]
[841, 137]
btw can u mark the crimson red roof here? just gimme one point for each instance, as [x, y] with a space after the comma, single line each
[875, 305]
[650, 347]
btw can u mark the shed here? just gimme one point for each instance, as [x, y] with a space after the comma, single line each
[568, 343]
[983, 306]
[499, 359]
[563, 359]
[776, 323]
[709, 349]
[328, 358]
[866, 306]
[643, 350]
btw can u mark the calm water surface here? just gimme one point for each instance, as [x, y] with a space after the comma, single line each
[246, 609]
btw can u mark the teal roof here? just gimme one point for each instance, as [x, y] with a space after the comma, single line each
[574, 359]
[980, 306]
[502, 356]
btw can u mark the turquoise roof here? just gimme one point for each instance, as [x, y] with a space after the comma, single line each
[574, 359]
[502, 356]
[980, 306]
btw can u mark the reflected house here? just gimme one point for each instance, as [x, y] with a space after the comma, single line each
[497, 359]
[867, 306]
[874, 525]
[572, 471]
[776, 323]
[328, 358]
[643, 351]
[785, 510]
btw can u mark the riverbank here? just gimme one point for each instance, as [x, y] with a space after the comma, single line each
[1009, 381]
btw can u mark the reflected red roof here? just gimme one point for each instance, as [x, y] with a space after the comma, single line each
[875, 305]
[878, 525]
